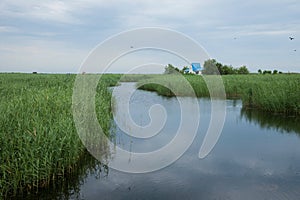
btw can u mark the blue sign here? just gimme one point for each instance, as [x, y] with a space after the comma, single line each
[196, 67]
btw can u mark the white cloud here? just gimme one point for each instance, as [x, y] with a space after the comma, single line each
[8, 29]
[60, 26]
[166, 13]
[263, 29]
[65, 11]
[39, 55]
[38, 10]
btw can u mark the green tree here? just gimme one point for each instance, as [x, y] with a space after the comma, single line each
[210, 67]
[227, 70]
[243, 70]
[170, 69]
[232, 70]
[213, 67]
[219, 67]
[259, 71]
[267, 72]
[275, 71]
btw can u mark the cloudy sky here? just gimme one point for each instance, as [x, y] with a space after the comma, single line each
[56, 36]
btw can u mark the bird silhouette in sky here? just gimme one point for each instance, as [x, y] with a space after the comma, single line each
[291, 38]
[131, 47]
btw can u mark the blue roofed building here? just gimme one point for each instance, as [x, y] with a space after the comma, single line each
[195, 68]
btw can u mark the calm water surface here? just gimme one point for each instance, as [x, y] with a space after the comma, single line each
[256, 157]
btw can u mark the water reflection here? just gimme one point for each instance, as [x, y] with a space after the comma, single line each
[69, 186]
[278, 122]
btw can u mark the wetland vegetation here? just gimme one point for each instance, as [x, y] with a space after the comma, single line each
[272, 93]
[39, 143]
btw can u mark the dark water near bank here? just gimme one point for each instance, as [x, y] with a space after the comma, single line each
[256, 157]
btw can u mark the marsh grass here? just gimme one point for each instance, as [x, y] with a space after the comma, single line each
[39, 142]
[162, 84]
[273, 93]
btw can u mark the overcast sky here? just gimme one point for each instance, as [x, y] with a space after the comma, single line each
[56, 36]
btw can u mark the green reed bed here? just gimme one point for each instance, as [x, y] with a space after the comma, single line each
[136, 77]
[273, 93]
[163, 84]
[279, 94]
[39, 142]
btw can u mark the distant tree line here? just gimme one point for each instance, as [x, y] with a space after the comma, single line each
[269, 72]
[170, 69]
[211, 67]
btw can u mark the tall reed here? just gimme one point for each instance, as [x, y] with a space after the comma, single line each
[39, 142]
[273, 93]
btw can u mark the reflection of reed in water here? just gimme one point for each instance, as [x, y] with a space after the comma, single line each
[278, 122]
[68, 187]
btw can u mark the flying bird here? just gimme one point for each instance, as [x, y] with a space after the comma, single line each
[291, 38]
[295, 49]
[131, 47]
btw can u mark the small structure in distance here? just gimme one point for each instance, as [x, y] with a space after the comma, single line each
[194, 68]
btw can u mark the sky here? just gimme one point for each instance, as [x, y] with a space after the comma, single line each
[56, 36]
